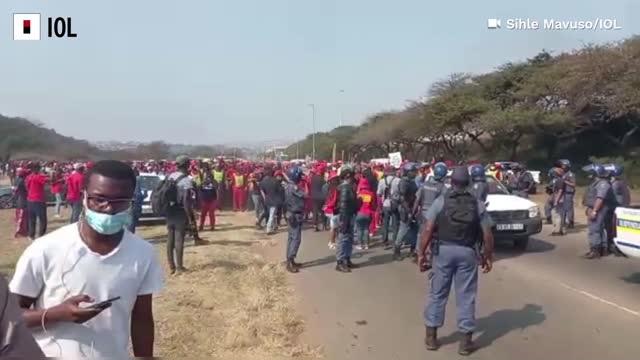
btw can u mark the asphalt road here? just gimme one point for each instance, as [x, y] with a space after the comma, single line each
[544, 303]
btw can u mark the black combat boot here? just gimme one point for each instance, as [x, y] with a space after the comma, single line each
[397, 256]
[342, 267]
[466, 346]
[351, 265]
[549, 222]
[293, 261]
[594, 253]
[431, 339]
[291, 268]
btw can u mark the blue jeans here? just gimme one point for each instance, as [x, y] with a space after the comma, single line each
[272, 219]
[457, 264]
[344, 248]
[362, 229]
[76, 208]
[294, 237]
[258, 204]
[407, 234]
[37, 215]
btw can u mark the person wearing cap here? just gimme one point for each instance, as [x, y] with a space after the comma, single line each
[598, 200]
[75, 186]
[181, 218]
[408, 231]
[460, 219]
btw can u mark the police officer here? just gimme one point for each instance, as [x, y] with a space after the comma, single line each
[521, 181]
[294, 202]
[408, 231]
[459, 218]
[622, 196]
[557, 201]
[346, 209]
[479, 187]
[569, 194]
[431, 190]
[548, 204]
[598, 200]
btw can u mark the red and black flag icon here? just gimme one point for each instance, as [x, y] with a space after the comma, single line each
[26, 26]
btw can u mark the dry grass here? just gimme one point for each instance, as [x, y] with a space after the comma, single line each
[232, 304]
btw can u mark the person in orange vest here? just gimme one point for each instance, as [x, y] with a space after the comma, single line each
[239, 186]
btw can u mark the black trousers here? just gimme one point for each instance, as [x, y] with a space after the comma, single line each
[37, 213]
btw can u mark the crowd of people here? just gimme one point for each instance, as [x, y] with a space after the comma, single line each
[434, 209]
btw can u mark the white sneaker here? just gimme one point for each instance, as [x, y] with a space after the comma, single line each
[332, 246]
[366, 247]
[358, 247]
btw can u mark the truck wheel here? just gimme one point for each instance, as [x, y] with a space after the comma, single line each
[521, 243]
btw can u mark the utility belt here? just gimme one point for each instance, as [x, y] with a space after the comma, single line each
[457, 243]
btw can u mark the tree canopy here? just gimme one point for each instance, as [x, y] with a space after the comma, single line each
[537, 109]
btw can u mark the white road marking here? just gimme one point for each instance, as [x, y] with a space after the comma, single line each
[604, 301]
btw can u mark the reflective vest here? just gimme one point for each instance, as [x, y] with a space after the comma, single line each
[379, 175]
[239, 180]
[218, 175]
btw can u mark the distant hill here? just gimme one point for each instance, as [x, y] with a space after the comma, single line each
[21, 138]
[24, 139]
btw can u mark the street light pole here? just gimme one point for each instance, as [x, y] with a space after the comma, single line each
[313, 135]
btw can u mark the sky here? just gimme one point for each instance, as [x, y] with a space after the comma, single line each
[246, 71]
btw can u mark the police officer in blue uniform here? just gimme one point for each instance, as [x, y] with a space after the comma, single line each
[569, 194]
[598, 200]
[479, 187]
[622, 195]
[294, 202]
[346, 208]
[548, 204]
[430, 190]
[455, 222]
[408, 231]
[521, 181]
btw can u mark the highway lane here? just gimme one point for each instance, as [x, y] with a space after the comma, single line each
[547, 302]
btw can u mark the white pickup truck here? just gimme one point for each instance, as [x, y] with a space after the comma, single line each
[515, 218]
[627, 232]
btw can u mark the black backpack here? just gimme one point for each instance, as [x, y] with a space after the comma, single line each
[165, 195]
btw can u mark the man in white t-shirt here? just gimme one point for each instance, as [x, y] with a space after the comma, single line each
[62, 274]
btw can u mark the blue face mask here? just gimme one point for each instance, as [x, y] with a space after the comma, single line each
[107, 224]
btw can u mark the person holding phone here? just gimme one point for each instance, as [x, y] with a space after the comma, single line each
[94, 261]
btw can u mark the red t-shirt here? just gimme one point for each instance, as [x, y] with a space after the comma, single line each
[56, 185]
[367, 199]
[330, 202]
[74, 186]
[35, 187]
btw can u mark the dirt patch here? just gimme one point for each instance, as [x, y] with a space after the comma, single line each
[232, 303]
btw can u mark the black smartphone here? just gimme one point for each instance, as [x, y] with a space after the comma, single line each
[104, 304]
